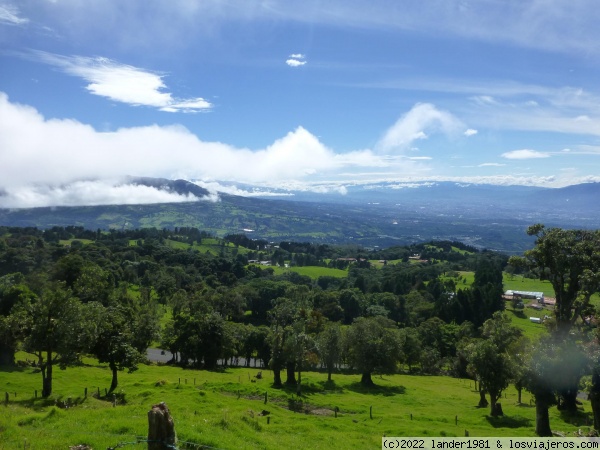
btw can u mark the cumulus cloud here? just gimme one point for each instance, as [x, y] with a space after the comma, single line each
[296, 60]
[36, 151]
[9, 14]
[491, 165]
[470, 132]
[422, 118]
[122, 83]
[525, 154]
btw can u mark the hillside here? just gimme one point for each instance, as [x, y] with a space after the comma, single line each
[492, 217]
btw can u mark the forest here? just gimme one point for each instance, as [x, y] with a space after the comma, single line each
[66, 292]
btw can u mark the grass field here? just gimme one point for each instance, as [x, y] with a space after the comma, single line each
[70, 241]
[223, 410]
[313, 272]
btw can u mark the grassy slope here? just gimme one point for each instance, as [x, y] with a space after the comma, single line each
[209, 411]
[313, 272]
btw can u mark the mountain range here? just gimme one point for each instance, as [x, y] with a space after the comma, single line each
[375, 215]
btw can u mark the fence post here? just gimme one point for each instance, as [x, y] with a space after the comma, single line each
[161, 428]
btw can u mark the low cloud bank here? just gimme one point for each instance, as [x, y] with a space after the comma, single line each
[91, 193]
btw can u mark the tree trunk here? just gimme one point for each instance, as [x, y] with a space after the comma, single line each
[47, 377]
[299, 385]
[519, 390]
[7, 355]
[493, 411]
[569, 400]
[497, 410]
[366, 379]
[329, 375]
[482, 400]
[276, 378]
[542, 419]
[595, 402]
[114, 383]
[291, 374]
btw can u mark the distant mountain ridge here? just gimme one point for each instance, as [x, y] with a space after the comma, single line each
[485, 216]
[181, 187]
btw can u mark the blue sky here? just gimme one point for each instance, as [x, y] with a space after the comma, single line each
[312, 95]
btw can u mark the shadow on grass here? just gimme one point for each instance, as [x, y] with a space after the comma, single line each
[386, 391]
[525, 405]
[578, 418]
[329, 386]
[508, 422]
[39, 404]
[12, 369]
[519, 314]
[305, 389]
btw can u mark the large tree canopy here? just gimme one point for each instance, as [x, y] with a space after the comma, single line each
[570, 260]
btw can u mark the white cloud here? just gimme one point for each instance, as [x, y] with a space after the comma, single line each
[412, 126]
[97, 192]
[525, 154]
[122, 83]
[491, 165]
[470, 132]
[243, 191]
[294, 62]
[51, 152]
[9, 14]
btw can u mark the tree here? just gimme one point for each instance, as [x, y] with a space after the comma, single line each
[284, 313]
[92, 284]
[113, 343]
[56, 332]
[302, 349]
[570, 260]
[329, 344]
[493, 368]
[539, 380]
[12, 292]
[373, 345]
[411, 347]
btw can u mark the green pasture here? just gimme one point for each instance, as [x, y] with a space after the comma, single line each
[521, 319]
[210, 245]
[70, 241]
[520, 283]
[224, 409]
[313, 272]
